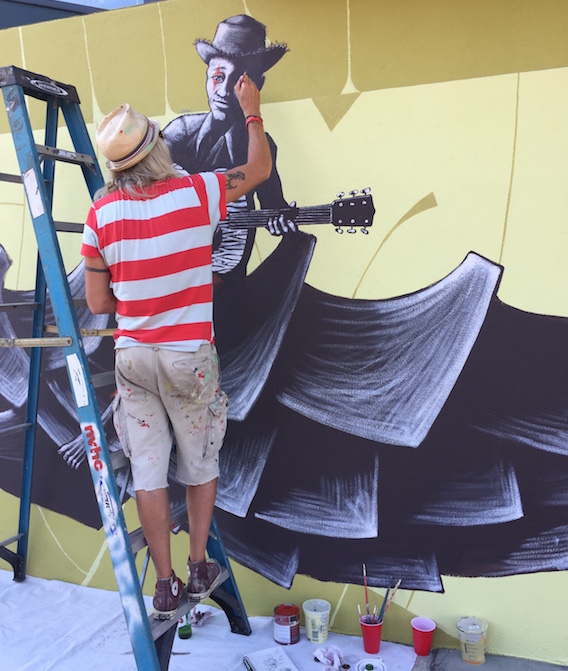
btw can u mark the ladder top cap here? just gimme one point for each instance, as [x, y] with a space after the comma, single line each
[36, 85]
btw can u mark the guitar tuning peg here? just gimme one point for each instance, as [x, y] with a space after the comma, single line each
[366, 190]
[341, 194]
[352, 230]
[354, 192]
[339, 230]
[364, 231]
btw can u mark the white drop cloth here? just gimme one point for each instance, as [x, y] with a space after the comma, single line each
[48, 625]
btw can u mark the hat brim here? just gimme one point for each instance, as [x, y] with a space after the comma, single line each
[140, 152]
[267, 57]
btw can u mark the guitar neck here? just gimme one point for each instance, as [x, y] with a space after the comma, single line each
[316, 214]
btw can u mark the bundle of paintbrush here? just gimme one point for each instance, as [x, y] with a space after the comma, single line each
[377, 616]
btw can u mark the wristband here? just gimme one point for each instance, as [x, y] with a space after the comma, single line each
[253, 119]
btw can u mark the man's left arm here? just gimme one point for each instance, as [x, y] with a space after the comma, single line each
[98, 292]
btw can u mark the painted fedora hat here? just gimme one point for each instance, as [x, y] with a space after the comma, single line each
[240, 37]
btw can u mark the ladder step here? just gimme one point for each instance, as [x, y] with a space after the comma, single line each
[11, 540]
[14, 429]
[64, 155]
[68, 227]
[103, 380]
[50, 328]
[177, 517]
[36, 342]
[118, 459]
[33, 305]
[159, 627]
[37, 86]
[5, 177]
[30, 305]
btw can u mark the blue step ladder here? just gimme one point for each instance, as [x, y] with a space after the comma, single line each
[151, 639]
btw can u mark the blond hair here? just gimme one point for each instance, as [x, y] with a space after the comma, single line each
[137, 181]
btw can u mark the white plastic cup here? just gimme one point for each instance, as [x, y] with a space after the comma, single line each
[473, 639]
[316, 616]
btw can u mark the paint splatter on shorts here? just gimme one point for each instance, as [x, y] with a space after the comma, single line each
[165, 395]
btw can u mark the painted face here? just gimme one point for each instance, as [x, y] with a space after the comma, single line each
[222, 75]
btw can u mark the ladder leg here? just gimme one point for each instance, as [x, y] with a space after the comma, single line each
[31, 418]
[82, 142]
[227, 595]
[35, 366]
[164, 645]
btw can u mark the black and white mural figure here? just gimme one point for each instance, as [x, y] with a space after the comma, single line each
[425, 434]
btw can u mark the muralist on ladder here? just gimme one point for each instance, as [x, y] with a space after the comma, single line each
[425, 433]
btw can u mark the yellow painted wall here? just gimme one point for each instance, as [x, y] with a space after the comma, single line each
[453, 112]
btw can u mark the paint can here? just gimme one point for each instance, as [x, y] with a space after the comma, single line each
[286, 624]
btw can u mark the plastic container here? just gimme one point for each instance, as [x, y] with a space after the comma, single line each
[316, 618]
[422, 633]
[473, 639]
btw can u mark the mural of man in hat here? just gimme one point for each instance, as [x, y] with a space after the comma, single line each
[218, 139]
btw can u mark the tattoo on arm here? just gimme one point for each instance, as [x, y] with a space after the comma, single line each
[97, 270]
[231, 177]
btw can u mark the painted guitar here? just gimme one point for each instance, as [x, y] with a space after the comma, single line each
[232, 234]
[357, 211]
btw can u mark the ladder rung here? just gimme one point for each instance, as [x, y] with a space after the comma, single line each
[137, 540]
[118, 459]
[36, 342]
[103, 379]
[95, 333]
[11, 540]
[14, 429]
[64, 155]
[68, 227]
[5, 177]
[159, 627]
[30, 305]
[33, 305]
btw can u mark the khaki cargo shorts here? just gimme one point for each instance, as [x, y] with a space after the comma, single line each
[164, 395]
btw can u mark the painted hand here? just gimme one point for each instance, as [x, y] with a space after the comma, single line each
[284, 222]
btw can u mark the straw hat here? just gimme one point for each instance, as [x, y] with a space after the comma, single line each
[125, 137]
[241, 37]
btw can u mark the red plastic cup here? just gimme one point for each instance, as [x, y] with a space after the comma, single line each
[371, 632]
[422, 633]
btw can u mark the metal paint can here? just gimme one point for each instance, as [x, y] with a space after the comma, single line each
[286, 624]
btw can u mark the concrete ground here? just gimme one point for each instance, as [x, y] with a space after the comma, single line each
[451, 660]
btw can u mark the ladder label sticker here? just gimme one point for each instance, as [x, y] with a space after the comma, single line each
[78, 380]
[107, 506]
[32, 192]
[49, 87]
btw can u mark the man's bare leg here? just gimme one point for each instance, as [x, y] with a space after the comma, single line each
[154, 513]
[200, 501]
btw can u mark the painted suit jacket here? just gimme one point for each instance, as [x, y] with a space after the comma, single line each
[196, 146]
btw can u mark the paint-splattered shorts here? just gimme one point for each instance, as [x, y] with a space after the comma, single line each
[165, 395]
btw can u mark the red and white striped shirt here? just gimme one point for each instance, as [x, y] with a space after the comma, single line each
[158, 251]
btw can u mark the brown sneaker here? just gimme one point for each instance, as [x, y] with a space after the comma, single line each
[166, 597]
[203, 577]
